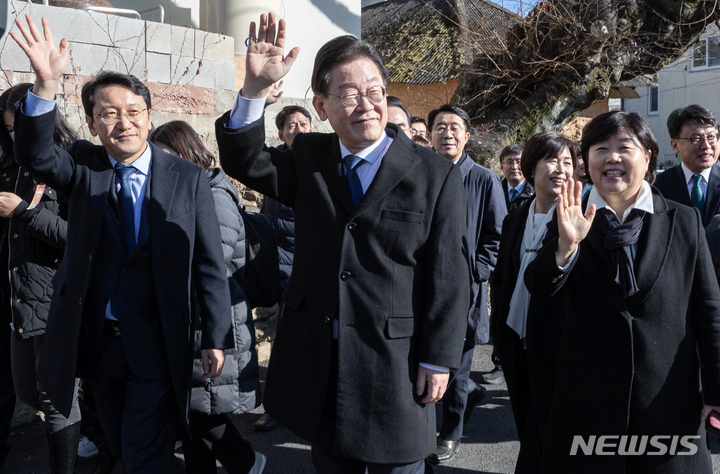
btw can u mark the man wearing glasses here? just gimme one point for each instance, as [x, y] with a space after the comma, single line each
[696, 181]
[376, 307]
[142, 231]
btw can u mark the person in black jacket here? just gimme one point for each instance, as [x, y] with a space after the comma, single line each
[33, 228]
[237, 390]
[516, 188]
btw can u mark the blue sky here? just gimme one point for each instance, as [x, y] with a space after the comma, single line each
[517, 5]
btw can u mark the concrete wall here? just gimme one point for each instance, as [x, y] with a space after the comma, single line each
[190, 73]
[678, 86]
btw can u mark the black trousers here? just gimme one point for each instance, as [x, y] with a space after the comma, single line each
[139, 416]
[455, 399]
[7, 391]
[324, 458]
[216, 438]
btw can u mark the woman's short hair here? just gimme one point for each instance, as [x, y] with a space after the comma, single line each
[608, 124]
[181, 137]
[542, 146]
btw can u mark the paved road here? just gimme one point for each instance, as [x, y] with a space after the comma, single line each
[489, 445]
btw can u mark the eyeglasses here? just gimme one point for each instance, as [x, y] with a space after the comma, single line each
[454, 129]
[111, 117]
[351, 97]
[698, 139]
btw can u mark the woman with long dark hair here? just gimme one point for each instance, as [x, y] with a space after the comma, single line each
[237, 389]
[643, 316]
[33, 219]
[529, 327]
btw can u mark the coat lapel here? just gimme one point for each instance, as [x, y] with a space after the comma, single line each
[101, 177]
[653, 248]
[331, 169]
[396, 164]
[163, 181]
[713, 195]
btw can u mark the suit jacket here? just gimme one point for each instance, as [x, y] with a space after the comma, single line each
[529, 371]
[631, 366]
[527, 193]
[671, 183]
[485, 213]
[393, 271]
[184, 239]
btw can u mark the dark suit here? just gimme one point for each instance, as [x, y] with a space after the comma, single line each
[485, 211]
[393, 271]
[527, 193]
[179, 237]
[632, 366]
[671, 183]
[529, 371]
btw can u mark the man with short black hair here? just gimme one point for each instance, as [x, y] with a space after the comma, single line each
[696, 180]
[485, 211]
[418, 125]
[399, 115]
[374, 312]
[516, 189]
[142, 231]
[291, 121]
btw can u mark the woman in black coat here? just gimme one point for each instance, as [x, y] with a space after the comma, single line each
[643, 316]
[528, 350]
[237, 389]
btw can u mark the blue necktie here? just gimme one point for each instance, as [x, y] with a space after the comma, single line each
[352, 162]
[127, 209]
[696, 194]
[513, 194]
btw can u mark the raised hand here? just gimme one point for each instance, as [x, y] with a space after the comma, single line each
[265, 63]
[47, 61]
[274, 94]
[573, 226]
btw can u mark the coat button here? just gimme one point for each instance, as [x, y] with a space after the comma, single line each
[27, 174]
[352, 226]
[345, 276]
[327, 319]
[104, 299]
[19, 300]
[14, 269]
[20, 330]
[81, 300]
[14, 236]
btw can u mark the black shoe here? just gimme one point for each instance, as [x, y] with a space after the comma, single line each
[494, 377]
[473, 399]
[444, 451]
[266, 423]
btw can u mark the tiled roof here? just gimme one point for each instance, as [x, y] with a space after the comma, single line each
[421, 40]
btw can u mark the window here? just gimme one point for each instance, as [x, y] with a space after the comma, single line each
[706, 54]
[653, 101]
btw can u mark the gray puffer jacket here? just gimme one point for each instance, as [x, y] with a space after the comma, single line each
[237, 389]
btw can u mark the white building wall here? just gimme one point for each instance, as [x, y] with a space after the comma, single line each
[678, 85]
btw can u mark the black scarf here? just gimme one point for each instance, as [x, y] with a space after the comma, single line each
[617, 239]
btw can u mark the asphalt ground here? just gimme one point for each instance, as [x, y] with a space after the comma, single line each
[489, 444]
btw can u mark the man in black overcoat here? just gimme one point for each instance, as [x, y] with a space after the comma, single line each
[693, 135]
[376, 307]
[485, 211]
[121, 307]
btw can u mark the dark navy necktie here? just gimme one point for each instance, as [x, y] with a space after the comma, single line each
[356, 191]
[513, 194]
[696, 194]
[127, 209]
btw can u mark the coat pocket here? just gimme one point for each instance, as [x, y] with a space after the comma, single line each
[403, 216]
[401, 326]
[292, 297]
[179, 210]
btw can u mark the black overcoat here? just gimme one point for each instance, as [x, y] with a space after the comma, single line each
[671, 183]
[529, 372]
[185, 241]
[485, 213]
[631, 366]
[394, 271]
